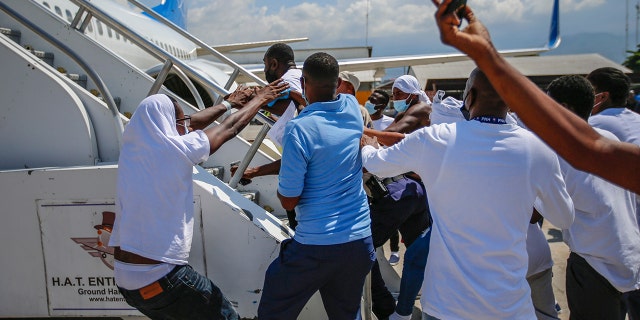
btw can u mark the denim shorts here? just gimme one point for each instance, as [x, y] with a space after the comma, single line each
[182, 294]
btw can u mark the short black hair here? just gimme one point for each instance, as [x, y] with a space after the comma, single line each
[611, 80]
[575, 91]
[383, 94]
[281, 52]
[321, 67]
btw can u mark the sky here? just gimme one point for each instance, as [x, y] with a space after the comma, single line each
[407, 27]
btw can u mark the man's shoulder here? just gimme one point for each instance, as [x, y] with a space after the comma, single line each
[292, 74]
[292, 77]
[606, 133]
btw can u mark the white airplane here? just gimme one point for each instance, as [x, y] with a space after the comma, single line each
[163, 36]
[193, 55]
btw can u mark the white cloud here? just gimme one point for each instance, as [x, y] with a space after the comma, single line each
[342, 22]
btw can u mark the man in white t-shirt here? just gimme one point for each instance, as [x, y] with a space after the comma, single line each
[482, 177]
[539, 271]
[609, 112]
[604, 239]
[279, 63]
[153, 228]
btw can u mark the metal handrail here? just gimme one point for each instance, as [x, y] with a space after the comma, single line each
[161, 54]
[146, 45]
[197, 41]
[102, 88]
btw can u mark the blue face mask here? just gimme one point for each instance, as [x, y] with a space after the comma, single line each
[371, 108]
[400, 105]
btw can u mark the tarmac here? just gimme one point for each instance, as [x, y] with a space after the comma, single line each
[559, 254]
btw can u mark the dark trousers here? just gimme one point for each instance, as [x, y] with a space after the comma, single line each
[632, 301]
[394, 242]
[590, 295]
[181, 294]
[337, 271]
[405, 209]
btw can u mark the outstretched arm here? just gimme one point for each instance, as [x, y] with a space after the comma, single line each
[571, 137]
[237, 99]
[232, 125]
[384, 137]
[416, 117]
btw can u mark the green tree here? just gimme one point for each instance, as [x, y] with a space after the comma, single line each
[633, 60]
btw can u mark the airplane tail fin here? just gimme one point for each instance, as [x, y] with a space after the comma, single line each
[174, 10]
[554, 31]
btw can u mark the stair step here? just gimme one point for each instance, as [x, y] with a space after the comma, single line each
[117, 100]
[217, 171]
[47, 57]
[12, 34]
[80, 79]
[252, 195]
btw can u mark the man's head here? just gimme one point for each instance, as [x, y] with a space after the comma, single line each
[320, 77]
[480, 98]
[611, 88]
[406, 92]
[350, 83]
[378, 100]
[573, 92]
[182, 122]
[277, 60]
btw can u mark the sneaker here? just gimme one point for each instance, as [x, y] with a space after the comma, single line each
[394, 258]
[396, 316]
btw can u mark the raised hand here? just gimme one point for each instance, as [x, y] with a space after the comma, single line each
[467, 40]
[272, 91]
[240, 96]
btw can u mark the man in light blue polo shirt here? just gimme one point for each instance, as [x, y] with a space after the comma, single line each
[321, 177]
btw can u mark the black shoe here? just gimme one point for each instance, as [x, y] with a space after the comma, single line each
[384, 308]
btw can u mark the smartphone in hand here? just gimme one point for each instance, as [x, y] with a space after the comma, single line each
[455, 7]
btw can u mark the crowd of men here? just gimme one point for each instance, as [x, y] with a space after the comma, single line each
[465, 183]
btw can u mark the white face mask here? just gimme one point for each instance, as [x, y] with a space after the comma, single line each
[303, 96]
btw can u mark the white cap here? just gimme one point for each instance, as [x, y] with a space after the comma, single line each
[351, 78]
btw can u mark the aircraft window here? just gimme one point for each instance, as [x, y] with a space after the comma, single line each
[109, 32]
[69, 17]
[58, 11]
[46, 4]
[99, 27]
[117, 35]
[90, 27]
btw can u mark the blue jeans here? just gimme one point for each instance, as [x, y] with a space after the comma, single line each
[415, 260]
[337, 271]
[182, 294]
